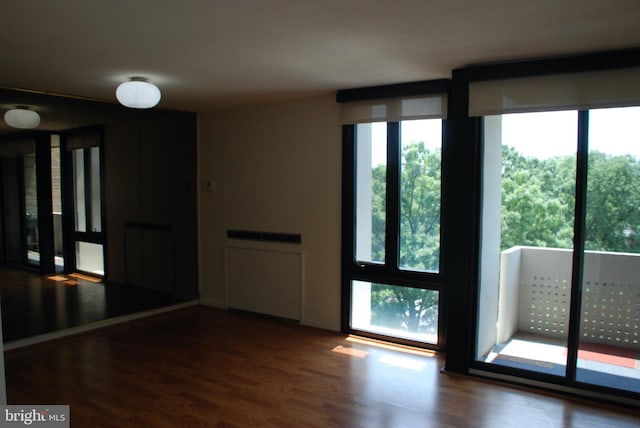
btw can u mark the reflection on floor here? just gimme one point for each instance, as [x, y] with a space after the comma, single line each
[597, 364]
[34, 304]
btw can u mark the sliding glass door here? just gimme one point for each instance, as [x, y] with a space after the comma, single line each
[560, 246]
[608, 351]
[527, 240]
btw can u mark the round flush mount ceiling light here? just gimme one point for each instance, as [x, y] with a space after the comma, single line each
[138, 93]
[22, 118]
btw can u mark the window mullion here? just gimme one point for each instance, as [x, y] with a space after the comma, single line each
[393, 196]
[87, 190]
[578, 243]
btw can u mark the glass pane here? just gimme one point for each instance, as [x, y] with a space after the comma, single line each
[94, 177]
[421, 143]
[89, 257]
[371, 191]
[31, 209]
[609, 348]
[527, 240]
[12, 220]
[79, 190]
[392, 310]
[56, 197]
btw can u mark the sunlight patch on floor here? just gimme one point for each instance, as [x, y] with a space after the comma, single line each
[544, 352]
[350, 351]
[403, 362]
[392, 346]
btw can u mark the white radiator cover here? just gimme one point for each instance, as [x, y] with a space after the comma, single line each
[264, 278]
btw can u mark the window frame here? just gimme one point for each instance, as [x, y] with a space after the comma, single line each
[72, 236]
[389, 272]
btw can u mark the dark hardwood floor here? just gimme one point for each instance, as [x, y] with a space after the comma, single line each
[33, 304]
[205, 367]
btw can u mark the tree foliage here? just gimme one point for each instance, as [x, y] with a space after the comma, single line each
[410, 309]
[420, 208]
[538, 202]
[613, 203]
[538, 205]
[538, 199]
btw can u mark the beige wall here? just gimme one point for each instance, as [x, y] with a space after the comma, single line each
[275, 168]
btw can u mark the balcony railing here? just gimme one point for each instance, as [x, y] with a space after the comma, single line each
[535, 289]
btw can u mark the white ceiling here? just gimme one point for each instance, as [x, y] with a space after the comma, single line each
[207, 54]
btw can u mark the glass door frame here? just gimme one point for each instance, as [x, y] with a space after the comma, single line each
[462, 171]
[578, 288]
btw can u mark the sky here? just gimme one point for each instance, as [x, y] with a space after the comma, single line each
[615, 131]
[427, 130]
[543, 135]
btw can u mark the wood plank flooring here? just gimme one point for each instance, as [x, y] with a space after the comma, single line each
[205, 367]
[33, 304]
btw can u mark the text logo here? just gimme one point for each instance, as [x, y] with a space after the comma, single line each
[34, 416]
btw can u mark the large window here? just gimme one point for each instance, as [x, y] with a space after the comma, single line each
[83, 151]
[392, 284]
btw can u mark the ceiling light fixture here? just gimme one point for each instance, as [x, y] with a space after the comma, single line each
[21, 117]
[138, 93]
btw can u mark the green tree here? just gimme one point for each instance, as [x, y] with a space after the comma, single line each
[408, 308]
[378, 208]
[411, 309]
[420, 208]
[537, 201]
[613, 203]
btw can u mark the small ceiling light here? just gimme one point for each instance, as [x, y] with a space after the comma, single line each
[21, 117]
[138, 93]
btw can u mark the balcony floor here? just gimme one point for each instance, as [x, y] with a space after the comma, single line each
[597, 364]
